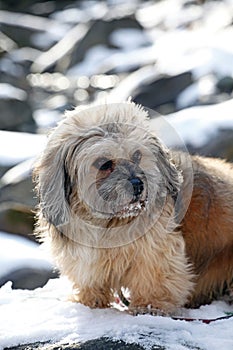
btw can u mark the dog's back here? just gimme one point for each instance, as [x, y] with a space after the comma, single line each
[208, 228]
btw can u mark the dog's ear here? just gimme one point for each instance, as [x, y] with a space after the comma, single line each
[53, 186]
[170, 173]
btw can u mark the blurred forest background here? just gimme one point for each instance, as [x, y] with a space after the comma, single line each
[168, 55]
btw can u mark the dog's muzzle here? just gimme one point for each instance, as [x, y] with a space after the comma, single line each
[138, 187]
[135, 187]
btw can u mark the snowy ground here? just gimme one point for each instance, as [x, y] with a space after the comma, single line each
[45, 314]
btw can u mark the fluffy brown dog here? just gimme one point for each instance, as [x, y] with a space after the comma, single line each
[111, 201]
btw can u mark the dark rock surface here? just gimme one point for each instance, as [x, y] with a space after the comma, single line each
[17, 220]
[99, 33]
[97, 344]
[28, 278]
[22, 28]
[221, 146]
[162, 91]
[18, 194]
[17, 200]
[16, 108]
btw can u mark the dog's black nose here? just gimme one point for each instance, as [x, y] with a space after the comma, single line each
[137, 186]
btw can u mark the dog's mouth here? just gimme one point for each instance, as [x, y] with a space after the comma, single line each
[132, 209]
[128, 211]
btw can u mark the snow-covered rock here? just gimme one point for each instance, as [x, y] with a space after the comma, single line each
[23, 262]
[195, 125]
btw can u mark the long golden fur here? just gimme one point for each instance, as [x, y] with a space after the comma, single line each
[110, 195]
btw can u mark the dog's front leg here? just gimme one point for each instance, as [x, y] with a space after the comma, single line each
[151, 298]
[156, 287]
[94, 296]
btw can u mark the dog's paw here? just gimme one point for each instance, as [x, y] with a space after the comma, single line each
[93, 303]
[228, 296]
[148, 310]
[92, 299]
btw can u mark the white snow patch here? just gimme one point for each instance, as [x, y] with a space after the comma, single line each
[46, 118]
[18, 173]
[44, 314]
[195, 125]
[16, 147]
[204, 87]
[8, 91]
[129, 38]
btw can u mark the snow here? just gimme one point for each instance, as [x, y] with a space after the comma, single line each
[200, 51]
[46, 118]
[195, 125]
[18, 252]
[8, 91]
[203, 87]
[18, 173]
[100, 58]
[128, 39]
[16, 147]
[94, 57]
[45, 314]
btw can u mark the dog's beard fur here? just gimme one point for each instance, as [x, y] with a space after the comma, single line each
[105, 181]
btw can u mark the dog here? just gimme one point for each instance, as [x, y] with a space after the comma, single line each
[118, 213]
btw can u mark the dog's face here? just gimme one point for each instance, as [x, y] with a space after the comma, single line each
[103, 165]
[114, 172]
[116, 185]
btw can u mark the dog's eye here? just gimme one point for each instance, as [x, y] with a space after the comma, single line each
[103, 164]
[107, 166]
[136, 157]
